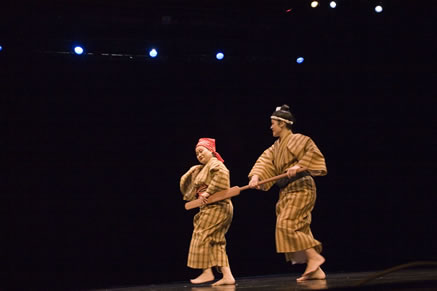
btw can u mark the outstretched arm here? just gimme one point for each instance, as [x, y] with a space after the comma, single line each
[262, 170]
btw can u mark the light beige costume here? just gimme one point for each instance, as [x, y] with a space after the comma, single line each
[208, 243]
[297, 199]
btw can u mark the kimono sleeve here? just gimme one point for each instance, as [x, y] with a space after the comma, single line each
[311, 158]
[219, 178]
[264, 168]
[186, 183]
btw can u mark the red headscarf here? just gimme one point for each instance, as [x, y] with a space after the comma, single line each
[209, 143]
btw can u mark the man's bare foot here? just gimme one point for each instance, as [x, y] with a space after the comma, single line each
[206, 276]
[315, 260]
[316, 275]
[227, 279]
[224, 281]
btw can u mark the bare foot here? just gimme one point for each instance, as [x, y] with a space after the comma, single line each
[313, 263]
[225, 281]
[316, 275]
[206, 276]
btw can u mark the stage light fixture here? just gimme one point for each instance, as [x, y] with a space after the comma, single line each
[78, 50]
[333, 4]
[299, 60]
[314, 4]
[219, 56]
[153, 53]
[1, 48]
[378, 9]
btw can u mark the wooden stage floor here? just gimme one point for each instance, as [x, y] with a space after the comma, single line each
[422, 279]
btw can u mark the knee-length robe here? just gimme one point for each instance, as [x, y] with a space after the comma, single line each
[297, 199]
[208, 243]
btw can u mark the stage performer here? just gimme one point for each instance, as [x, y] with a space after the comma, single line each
[208, 243]
[297, 195]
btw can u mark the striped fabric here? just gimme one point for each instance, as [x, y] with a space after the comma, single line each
[208, 243]
[293, 219]
[292, 149]
[297, 199]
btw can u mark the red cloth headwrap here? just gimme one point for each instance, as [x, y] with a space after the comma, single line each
[209, 143]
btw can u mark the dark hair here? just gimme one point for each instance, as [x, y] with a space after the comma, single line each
[284, 112]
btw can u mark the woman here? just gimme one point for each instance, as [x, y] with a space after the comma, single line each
[208, 243]
[297, 195]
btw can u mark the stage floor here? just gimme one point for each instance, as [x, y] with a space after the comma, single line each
[414, 279]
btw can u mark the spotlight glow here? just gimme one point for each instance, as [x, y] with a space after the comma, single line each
[219, 56]
[314, 4]
[78, 50]
[1, 48]
[153, 53]
[333, 4]
[378, 9]
[299, 60]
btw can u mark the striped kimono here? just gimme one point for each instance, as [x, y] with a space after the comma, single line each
[208, 243]
[297, 199]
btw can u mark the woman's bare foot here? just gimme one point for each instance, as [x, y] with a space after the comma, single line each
[316, 275]
[206, 276]
[315, 260]
[227, 279]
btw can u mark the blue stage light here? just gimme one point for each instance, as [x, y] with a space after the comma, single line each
[1, 48]
[219, 56]
[378, 9]
[153, 53]
[78, 50]
[299, 60]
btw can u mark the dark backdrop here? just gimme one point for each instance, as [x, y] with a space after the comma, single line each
[96, 145]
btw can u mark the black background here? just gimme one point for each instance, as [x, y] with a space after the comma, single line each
[96, 144]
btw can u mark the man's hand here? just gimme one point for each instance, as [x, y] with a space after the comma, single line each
[254, 182]
[292, 171]
[204, 196]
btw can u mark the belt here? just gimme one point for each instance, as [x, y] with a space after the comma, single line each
[281, 183]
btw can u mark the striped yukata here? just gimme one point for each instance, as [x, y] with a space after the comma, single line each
[208, 243]
[297, 199]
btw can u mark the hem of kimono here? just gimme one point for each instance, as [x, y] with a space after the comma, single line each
[317, 247]
[208, 266]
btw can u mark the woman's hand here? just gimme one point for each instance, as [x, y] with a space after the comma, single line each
[204, 196]
[202, 189]
[292, 171]
[254, 182]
